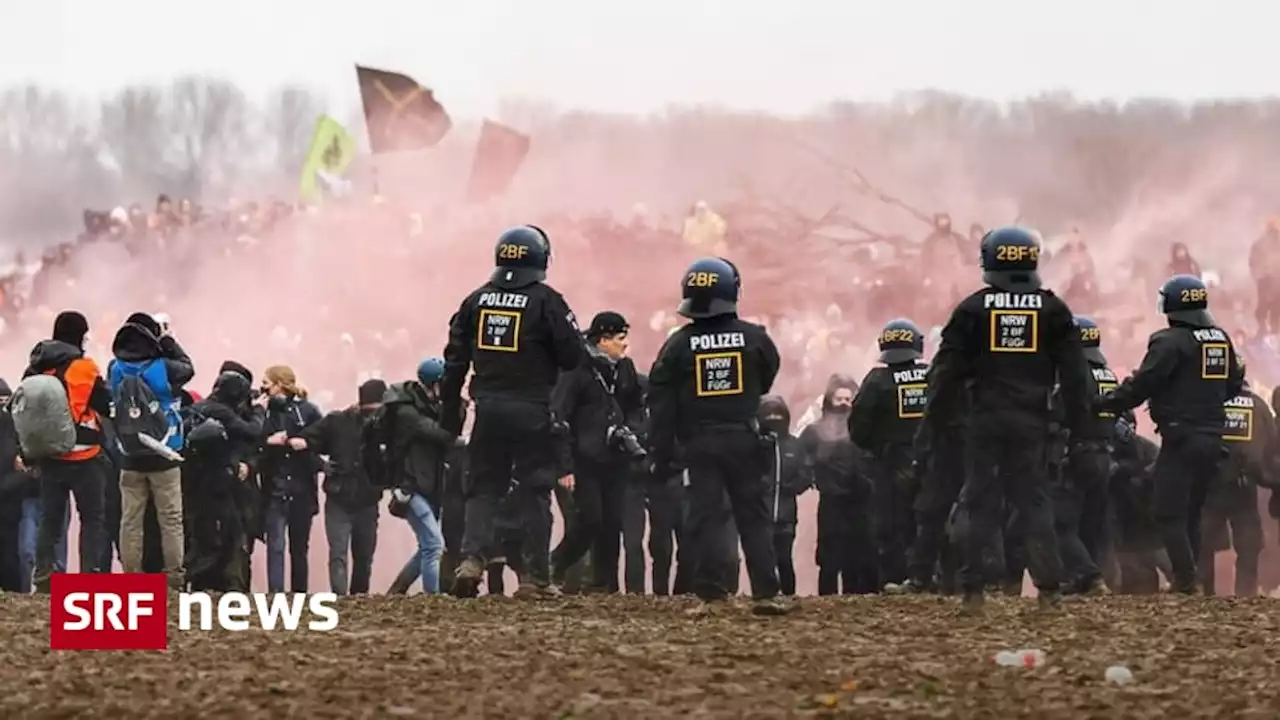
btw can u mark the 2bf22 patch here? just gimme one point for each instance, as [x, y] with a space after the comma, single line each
[911, 400]
[499, 331]
[1015, 331]
[1214, 361]
[717, 374]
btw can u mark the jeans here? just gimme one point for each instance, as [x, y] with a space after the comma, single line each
[28, 530]
[430, 542]
[353, 531]
[288, 522]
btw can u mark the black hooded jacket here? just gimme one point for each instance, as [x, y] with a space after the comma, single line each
[839, 467]
[789, 476]
[416, 443]
[228, 404]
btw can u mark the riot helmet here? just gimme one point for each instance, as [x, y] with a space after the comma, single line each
[1090, 340]
[901, 342]
[709, 289]
[1010, 257]
[1185, 299]
[521, 257]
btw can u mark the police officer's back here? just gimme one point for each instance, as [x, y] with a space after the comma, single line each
[1189, 373]
[1013, 339]
[704, 394]
[885, 417]
[517, 334]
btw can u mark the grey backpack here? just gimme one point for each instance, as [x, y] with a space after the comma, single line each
[42, 416]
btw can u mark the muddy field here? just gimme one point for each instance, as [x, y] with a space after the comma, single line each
[651, 658]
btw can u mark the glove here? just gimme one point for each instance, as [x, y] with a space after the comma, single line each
[400, 496]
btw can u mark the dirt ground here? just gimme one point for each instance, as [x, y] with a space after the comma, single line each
[649, 658]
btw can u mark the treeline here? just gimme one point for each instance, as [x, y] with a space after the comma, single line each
[1053, 160]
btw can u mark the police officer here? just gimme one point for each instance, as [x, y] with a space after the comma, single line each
[1232, 501]
[1011, 338]
[886, 415]
[1188, 374]
[1080, 495]
[704, 393]
[518, 334]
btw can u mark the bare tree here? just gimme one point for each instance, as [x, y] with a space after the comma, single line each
[210, 126]
[290, 119]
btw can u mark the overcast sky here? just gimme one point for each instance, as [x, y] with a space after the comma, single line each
[639, 55]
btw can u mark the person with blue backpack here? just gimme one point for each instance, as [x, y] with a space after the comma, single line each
[145, 378]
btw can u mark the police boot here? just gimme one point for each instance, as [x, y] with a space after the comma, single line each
[973, 604]
[1050, 602]
[777, 605]
[1095, 587]
[466, 582]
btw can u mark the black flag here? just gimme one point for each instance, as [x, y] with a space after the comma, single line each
[499, 154]
[400, 114]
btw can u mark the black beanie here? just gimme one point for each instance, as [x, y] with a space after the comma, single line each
[5, 390]
[371, 391]
[237, 368]
[70, 327]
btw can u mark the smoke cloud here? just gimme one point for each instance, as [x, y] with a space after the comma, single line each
[366, 286]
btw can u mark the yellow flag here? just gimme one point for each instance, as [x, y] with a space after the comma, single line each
[331, 152]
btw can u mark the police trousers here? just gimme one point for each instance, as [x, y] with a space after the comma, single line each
[1006, 469]
[511, 447]
[1080, 514]
[1186, 466]
[729, 461]
[939, 487]
[663, 504]
[895, 493]
[1231, 520]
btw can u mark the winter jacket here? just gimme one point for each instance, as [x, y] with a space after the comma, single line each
[416, 444]
[289, 474]
[585, 399]
[340, 436]
[789, 474]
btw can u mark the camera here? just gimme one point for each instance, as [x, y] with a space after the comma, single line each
[624, 440]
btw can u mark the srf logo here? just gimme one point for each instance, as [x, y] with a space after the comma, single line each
[108, 612]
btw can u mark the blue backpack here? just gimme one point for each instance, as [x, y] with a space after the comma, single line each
[145, 410]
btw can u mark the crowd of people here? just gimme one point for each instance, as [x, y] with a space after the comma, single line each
[293, 435]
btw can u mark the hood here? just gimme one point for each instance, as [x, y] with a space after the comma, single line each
[231, 388]
[134, 342]
[837, 381]
[52, 354]
[235, 367]
[409, 392]
[773, 406]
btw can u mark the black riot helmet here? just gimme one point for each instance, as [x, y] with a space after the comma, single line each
[1010, 258]
[710, 289]
[1185, 299]
[737, 276]
[521, 257]
[901, 342]
[1091, 340]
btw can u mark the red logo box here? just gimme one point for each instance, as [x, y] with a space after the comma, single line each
[109, 612]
